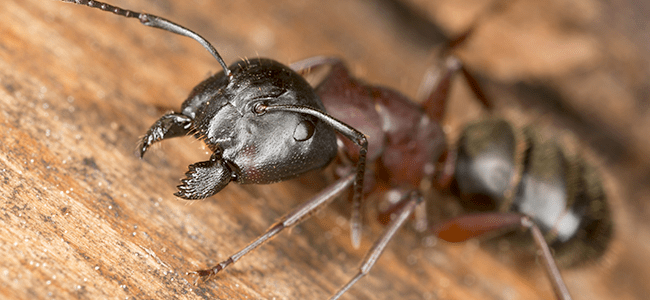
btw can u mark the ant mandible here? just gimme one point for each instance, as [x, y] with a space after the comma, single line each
[264, 123]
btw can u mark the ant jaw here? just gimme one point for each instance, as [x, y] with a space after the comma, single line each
[204, 179]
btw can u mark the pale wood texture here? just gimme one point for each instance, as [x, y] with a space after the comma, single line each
[82, 217]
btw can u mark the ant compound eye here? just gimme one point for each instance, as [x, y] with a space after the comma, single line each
[304, 131]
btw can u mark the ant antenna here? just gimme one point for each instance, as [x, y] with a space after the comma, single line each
[157, 22]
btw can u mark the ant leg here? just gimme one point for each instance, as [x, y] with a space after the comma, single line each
[495, 7]
[446, 168]
[560, 289]
[292, 218]
[392, 203]
[168, 126]
[473, 225]
[476, 88]
[437, 83]
[380, 245]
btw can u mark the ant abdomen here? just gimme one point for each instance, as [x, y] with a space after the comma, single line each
[509, 169]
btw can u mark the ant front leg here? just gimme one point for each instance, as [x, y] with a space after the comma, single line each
[470, 226]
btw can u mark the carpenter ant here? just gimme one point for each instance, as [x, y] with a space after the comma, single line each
[264, 123]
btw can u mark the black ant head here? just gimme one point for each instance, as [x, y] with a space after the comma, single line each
[260, 146]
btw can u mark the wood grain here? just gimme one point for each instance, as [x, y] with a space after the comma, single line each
[84, 218]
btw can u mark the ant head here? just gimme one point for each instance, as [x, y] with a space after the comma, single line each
[261, 146]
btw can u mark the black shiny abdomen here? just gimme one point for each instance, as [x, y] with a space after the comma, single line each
[505, 168]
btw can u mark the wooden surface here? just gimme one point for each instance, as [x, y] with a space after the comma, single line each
[83, 217]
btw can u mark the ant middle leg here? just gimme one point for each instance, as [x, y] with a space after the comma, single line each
[410, 203]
